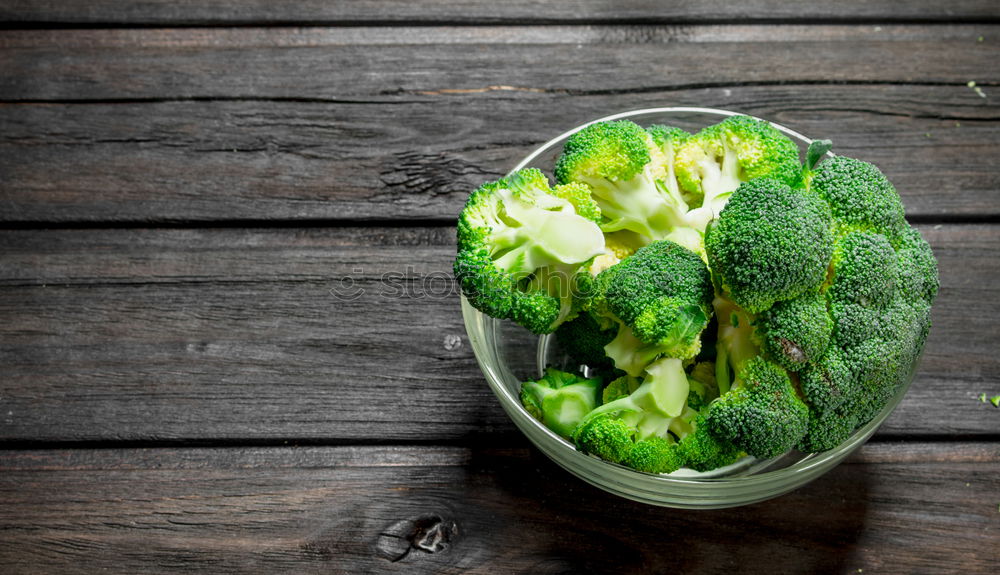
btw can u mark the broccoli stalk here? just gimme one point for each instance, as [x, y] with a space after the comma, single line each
[735, 344]
[560, 400]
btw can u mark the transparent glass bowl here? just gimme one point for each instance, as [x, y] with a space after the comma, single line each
[509, 354]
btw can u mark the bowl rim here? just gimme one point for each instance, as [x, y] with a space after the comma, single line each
[808, 463]
[666, 110]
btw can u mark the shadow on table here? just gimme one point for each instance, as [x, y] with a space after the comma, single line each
[555, 523]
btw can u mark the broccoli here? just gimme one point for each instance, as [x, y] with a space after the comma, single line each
[630, 172]
[520, 242]
[641, 430]
[583, 339]
[560, 400]
[650, 430]
[770, 243]
[714, 162]
[663, 293]
[860, 196]
[795, 332]
[763, 415]
[737, 302]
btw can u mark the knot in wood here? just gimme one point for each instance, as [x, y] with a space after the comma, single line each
[429, 534]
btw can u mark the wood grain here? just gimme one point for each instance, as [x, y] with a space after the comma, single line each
[202, 12]
[239, 335]
[379, 510]
[333, 63]
[417, 157]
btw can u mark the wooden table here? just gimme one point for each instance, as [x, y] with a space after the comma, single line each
[184, 184]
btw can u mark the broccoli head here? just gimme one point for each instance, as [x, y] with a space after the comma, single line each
[712, 164]
[519, 245]
[859, 195]
[795, 332]
[631, 176]
[664, 293]
[641, 430]
[764, 415]
[770, 243]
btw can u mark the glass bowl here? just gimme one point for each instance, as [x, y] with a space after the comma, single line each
[509, 354]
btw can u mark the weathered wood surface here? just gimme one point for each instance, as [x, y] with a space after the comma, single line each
[417, 157]
[207, 168]
[202, 12]
[899, 508]
[364, 64]
[238, 335]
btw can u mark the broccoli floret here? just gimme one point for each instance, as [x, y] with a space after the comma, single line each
[560, 400]
[641, 429]
[713, 163]
[864, 271]
[618, 388]
[918, 270]
[702, 451]
[763, 415]
[859, 195]
[518, 246]
[630, 173]
[829, 429]
[770, 243]
[583, 338]
[828, 382]
[664, 294]
[795, 332]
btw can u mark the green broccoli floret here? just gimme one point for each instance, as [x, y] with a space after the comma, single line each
[829, 429]
[519, 244]
[770, 243]
[713, 163]
[618, 388]
[630, 173]
[917, 267]
[641, 429]
[663, 293]
[560, 400]
[583, 338]
[859, 195]
[864, 271]
[795, 332]
[763, 415]
[828, 382]
[702, 451]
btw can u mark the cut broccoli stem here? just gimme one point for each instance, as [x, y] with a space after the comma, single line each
[718, 184]
[722, 374]
[735, 345]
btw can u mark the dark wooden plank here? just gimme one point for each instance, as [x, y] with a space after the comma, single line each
[907, 508]
[417, 157]
[237, 334]
[162, 12]
[362, 64]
